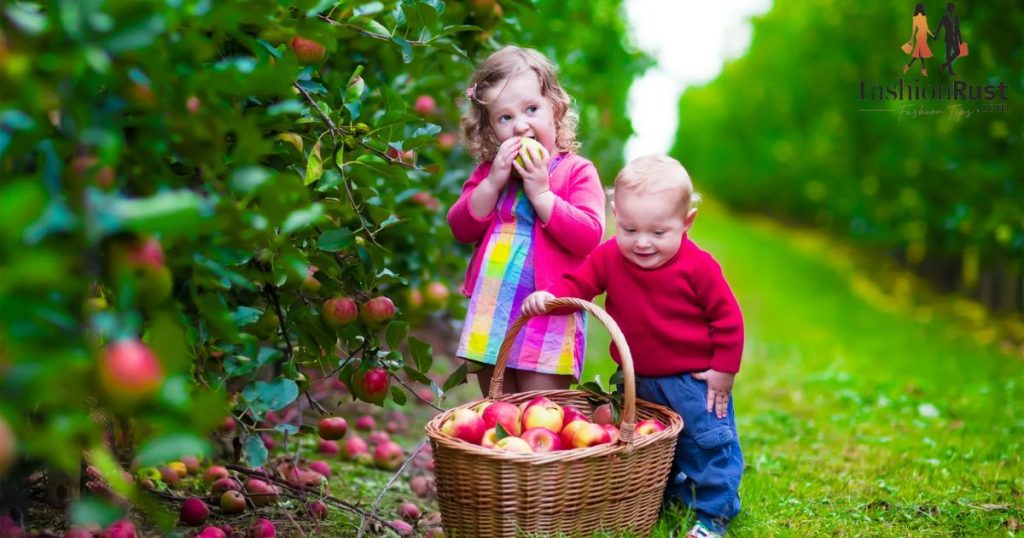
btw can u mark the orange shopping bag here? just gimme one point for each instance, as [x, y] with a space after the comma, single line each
[963, 48]
[907, 48]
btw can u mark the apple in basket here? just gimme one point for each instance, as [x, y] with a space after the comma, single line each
[581, 434]
[543, 413]
[502, 413]
[465, 424]
[542, 440]
[513, 444]
[571, 414]
[648, 427]
[490, 438]
[613, 431]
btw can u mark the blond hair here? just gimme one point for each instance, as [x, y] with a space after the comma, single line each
[495, 72]
[651, 174]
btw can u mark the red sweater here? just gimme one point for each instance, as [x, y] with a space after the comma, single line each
[679, 317]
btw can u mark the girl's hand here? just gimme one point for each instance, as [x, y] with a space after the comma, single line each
[536, 303]
[501, 167]
[719, 388]
[535, 171]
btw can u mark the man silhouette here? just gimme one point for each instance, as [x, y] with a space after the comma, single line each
[951, 23]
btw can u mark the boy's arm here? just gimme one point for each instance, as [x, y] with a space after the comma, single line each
[467, 227]
[723, 314]
[588, 280]
[577, 220]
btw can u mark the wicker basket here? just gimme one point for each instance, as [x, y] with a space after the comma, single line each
[615, 487]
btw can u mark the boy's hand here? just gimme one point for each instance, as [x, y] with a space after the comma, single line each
[534, 171]
[536, 303]
[719, 388]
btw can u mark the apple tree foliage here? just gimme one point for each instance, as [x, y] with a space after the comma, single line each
[271, 175]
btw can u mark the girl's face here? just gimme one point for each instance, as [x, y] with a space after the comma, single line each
[517, 108]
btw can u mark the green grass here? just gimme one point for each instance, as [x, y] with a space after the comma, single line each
[858, 415]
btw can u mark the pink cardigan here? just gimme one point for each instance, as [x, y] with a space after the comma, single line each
[575, 228]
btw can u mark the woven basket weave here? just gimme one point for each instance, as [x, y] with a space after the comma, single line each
[613, 487]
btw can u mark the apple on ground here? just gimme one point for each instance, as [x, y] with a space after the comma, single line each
[320, 467]
[121, 528]
[543, 413]
[365, 423]
[377, 437]
[262, 493]
[409, 511]
[403, 528]
[353, 447]
[542, 440]
[317, 509]
[327, 448]
[194, 512]
[224, 484]
[466, 425]
[648, 427]
[262, 528]
[232, 502]
[191, 464]
[388, 455]
[211, 532]
[513, 444]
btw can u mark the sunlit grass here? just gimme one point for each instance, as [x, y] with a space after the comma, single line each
[858, 417]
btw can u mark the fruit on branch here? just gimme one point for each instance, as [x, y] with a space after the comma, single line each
[371, 385]
[339, 312]
[332, 428]
[129, 371]
[137, 264]
[377, 312]
[307, 50]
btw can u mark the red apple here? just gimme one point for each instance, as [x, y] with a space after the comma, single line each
[129, 371]
[223, 485]
[353, 447]
[262, 528]
[505, 414]
[570, 414]
[466, 425]
[413, 297]
[140, 263]
[420, 485]
[328, 448]
[227, 425]
[425, 105]
[542, 440]
[121, 528]
[371, 385]
[88, 167]
[214, 473]
[211, 532]
[191, 464]
[261, 493]
[446, 141]
[433, 532]
[435, 295]
[8, 446]
[409, 512]
[340, 311]
[332, 428]
[76, 532]
[388, 456]
[377, 312]
[10, 528]
[613, 431]
[377, 437]
[307, 50]
[169, 475]
[648, 426]
[365, 423]
[320, 467]
[194, 512]
[317, 509]
[604, 414]
[232, 502]
[581, 434]
[427, 200]
[513, 444]
[543, 413]
[403, 528]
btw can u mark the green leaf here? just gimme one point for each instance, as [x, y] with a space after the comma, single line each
[368, 9]
[314, 166]
[29, 18]
[177, 211]
[500, 432]
[263, 396]
[404, 47]
[171, 447]
[247, 179]
[398, 395]
[616, 379]
[245, 315]
[370, 25]
[302, 218]
[335, 240]
[255, 451]
[397, 331]
[287, 429]
[457, 378]
[417, 375]
[421, 354]
[137, 36]
[456, 28]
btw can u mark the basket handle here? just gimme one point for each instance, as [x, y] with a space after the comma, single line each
[629, 405]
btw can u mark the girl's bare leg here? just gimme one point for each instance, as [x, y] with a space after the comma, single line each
[527, 381]
[484, 378]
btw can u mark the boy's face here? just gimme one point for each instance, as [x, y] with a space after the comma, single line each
[650, 226]
[518, 108]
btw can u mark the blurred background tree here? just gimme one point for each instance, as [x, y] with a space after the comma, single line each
[780, 133]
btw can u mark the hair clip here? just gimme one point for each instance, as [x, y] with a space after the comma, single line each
[471, 92]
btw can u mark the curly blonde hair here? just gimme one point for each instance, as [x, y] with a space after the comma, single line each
[496, 70]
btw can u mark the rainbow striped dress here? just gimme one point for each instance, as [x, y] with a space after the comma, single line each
[547, 344]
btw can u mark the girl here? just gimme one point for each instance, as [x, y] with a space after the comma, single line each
[533, 210]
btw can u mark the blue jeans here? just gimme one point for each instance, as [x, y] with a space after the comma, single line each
[708, 463]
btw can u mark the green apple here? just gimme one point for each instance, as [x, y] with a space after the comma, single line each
[529, 145]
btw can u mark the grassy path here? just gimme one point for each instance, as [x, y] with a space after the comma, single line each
[858, 418]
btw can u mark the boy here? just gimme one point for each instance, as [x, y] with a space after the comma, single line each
[683, 324]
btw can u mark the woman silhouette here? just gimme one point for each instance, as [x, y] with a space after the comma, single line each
[919, 33]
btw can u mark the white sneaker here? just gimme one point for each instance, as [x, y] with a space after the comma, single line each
[700, 531]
